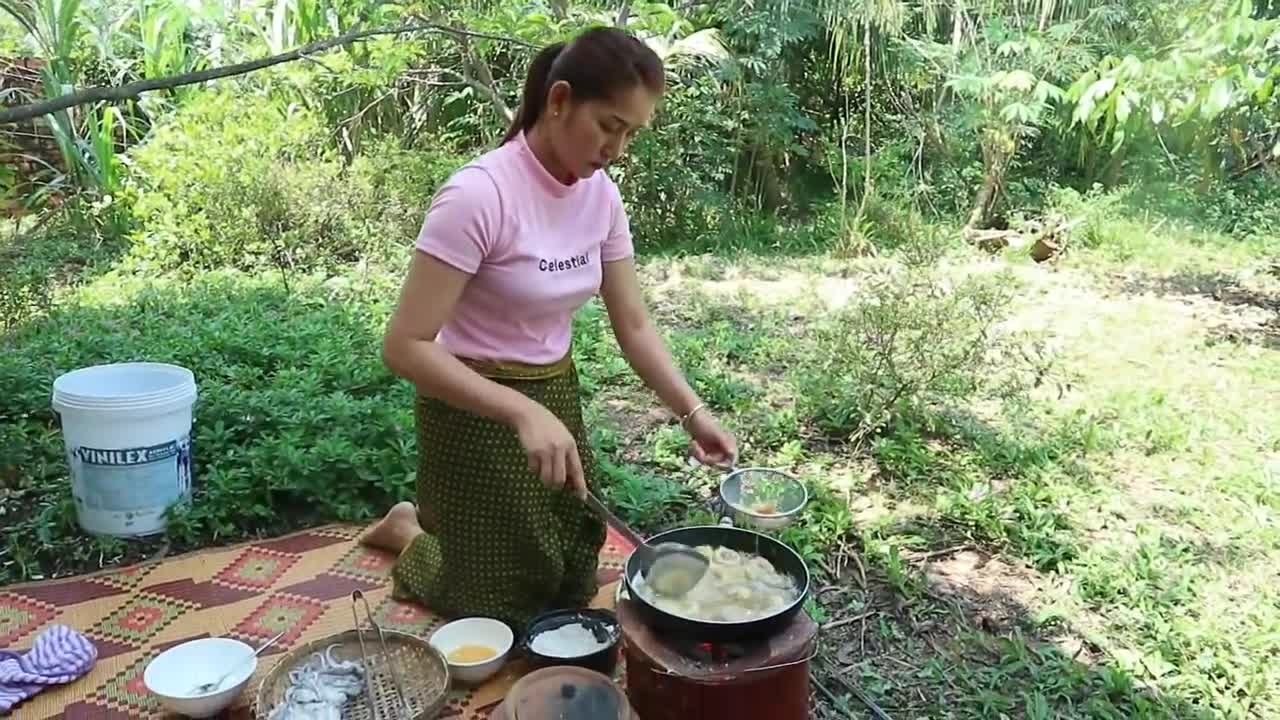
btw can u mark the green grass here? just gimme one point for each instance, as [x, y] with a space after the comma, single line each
[1079, 522]
[297, 420]
[1129, 492]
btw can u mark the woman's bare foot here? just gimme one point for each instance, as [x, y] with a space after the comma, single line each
[395, 531]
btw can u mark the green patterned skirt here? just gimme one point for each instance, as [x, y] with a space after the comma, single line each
[498, 542]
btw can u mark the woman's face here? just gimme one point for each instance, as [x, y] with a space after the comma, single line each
[587, 136]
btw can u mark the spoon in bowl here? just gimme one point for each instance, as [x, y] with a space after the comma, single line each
[206, 688]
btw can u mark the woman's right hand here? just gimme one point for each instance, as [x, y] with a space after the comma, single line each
[552, 451]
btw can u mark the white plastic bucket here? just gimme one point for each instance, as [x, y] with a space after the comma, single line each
[127, 432]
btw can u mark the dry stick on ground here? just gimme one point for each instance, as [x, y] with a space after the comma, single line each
[944, 551]
[826, 692]
[831, 697]
[875, 709]
[862, 571]
[132, 90]
[848, 621]
[830, 573]
[862, 638]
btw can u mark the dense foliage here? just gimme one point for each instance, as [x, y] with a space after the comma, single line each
[842, 151]
[800, 109]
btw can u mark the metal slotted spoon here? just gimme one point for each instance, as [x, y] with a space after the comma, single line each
[671, 569]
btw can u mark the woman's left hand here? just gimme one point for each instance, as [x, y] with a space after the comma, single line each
[711, 444]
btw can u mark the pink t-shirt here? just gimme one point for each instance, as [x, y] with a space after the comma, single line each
[533, 246]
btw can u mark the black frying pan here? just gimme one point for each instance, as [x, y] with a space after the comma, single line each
[785, 559]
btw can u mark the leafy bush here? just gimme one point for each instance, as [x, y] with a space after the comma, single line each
[70, 243]
[673, 175]
[1098, 212]
[1244, 207]
[231, 184]
[297, 422]
[642, 498]
[914, 340]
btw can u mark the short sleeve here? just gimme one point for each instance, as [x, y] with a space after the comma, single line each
[618, 245]
[464, 220]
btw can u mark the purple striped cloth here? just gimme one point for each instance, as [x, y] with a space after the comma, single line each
[59, 655]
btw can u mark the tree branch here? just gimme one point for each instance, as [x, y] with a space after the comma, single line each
[477, 74]
[134, 89]
[624, 14]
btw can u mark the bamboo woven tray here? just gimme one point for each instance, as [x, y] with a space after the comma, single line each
[401, 670]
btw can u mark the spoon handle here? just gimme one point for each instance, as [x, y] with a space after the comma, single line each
[255, 654]
[268, 643]
[614, 521]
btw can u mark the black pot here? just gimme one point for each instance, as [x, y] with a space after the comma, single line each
[602, 623]
[786, 560]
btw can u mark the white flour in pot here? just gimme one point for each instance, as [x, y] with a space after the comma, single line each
[572, 640]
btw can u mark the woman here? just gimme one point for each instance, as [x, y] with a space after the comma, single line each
[512, 246]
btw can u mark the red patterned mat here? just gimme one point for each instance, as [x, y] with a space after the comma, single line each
[300, 583]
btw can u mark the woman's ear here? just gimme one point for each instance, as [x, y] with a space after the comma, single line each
[558, 98]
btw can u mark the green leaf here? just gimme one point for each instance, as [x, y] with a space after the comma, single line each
[1010, 48]
[1078, 88]
[1018, 113]
[1157, 112]
[1219, 98]
[1088, 102]
[1123, 108]
[1117, 141]
[1263, 93]
[1018, 80]
[968, 84]
[1046, 91]
[1102, 87]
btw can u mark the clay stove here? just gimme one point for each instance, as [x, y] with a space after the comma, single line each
[678, 678]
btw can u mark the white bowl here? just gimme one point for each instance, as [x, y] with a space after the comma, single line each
[174, 672]
[474, 631]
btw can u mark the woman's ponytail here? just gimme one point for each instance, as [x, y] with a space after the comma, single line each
[534, 96]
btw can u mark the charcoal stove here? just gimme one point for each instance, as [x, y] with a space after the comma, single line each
[673, 676]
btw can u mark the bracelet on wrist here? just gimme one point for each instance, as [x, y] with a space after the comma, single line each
[684, 419]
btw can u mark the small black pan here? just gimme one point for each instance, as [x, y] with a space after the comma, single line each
[786, 560]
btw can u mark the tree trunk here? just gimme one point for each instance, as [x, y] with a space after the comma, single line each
[624, 14]
[1046, 13]
[770, 186]
[980, 216]
[844, 172]
[998, 146]
[477, 74]
[756, 178]
[1115, 166]
[866, 117]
